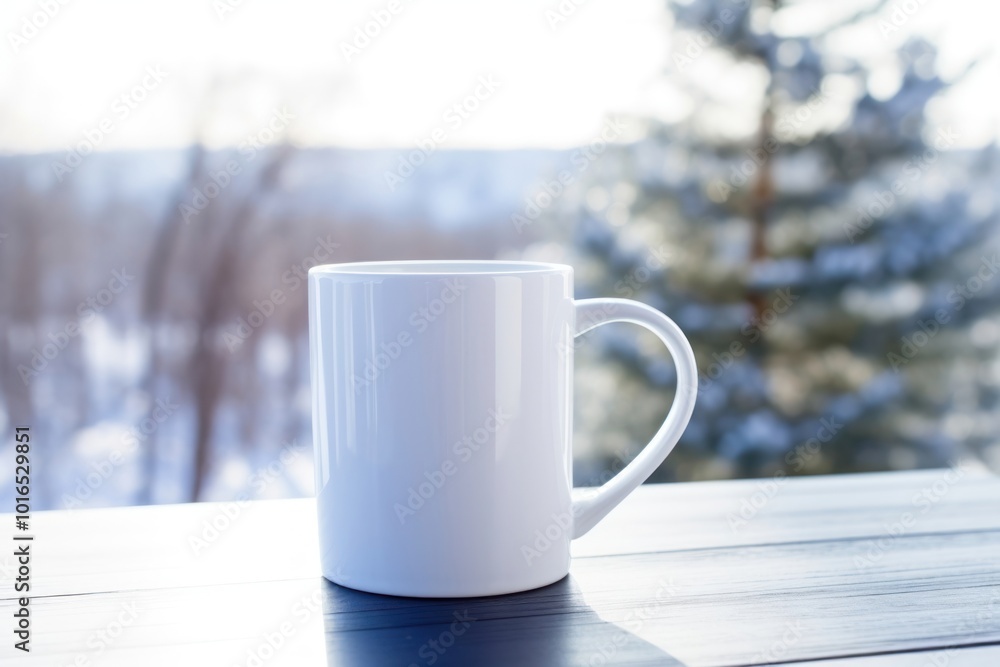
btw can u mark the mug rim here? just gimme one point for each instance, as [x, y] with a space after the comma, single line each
[438, 267]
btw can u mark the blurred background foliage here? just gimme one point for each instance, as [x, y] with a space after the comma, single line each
[834, 267]
[825, 240]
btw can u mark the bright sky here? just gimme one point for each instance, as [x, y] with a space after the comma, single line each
[555, 84]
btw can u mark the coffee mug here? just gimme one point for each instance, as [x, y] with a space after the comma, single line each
[443, 421]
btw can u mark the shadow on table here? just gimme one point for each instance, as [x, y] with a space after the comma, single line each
[549, 626]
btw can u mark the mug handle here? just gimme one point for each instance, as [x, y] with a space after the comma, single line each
[591, 313]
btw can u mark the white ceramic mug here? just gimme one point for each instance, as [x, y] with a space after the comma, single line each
[442, 422]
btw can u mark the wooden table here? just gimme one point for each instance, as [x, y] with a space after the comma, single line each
[847, 571]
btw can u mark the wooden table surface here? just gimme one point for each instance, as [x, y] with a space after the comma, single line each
[848, 571]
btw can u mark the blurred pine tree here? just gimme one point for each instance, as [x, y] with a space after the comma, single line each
[828, 253]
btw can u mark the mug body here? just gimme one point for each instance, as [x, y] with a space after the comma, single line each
[442, 423]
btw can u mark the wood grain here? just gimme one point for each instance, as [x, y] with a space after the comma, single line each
[977, 656]
[813, 575]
